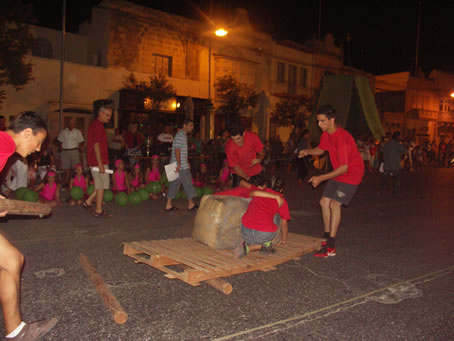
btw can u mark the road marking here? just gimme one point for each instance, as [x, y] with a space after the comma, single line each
[53, 272]
[407, 283]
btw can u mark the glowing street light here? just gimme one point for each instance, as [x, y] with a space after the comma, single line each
[221, 32]
[452, 94]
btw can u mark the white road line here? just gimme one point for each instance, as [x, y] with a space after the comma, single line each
[434, 274]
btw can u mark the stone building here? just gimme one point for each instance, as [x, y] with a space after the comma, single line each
[421, 108]
[122, 37]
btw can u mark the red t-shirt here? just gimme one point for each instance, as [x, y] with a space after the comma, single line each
[260, 213]
[242, 156]
[97, 134]
[343, 151]
[7, 148]
[242, 192]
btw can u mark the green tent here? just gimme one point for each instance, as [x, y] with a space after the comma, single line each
[355, 106]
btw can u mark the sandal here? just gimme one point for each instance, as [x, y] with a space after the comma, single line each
[86, 206]
[173, 208]
[193, 208]
[102, 214]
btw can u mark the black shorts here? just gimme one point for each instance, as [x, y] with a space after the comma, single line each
[340, 191]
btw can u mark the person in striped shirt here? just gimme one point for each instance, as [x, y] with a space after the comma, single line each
[180, 156]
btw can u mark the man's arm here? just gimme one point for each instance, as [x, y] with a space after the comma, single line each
[99, 158]
[264, 194]
[260, 157]
[240, 172]
[284, 233]
[178, 158]
[312, 151]
[316, 180]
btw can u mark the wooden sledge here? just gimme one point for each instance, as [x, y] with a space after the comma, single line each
[193, 262]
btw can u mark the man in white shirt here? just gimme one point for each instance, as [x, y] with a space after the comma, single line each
[71, 140]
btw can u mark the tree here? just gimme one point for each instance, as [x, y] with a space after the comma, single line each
[235, 97]
[16, 42]
[157, 88]
[291, 111]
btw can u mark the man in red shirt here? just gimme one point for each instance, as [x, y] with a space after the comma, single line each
[267, 210]
[343, 181]
[25, 136]
[98, 154]
[244, 152]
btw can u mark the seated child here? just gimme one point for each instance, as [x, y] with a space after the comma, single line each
[152, 174]
[50, 190]
[79, 180]
[136, 178]
[265, 212]
[120, 178]
[201, 178]
[225, 178]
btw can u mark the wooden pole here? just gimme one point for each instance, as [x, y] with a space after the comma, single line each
[109, 299]
[24, 207]
[220, 285]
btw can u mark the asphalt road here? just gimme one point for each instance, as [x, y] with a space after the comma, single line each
[392, 278]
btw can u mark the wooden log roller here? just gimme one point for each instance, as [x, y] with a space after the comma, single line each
[108, 298]
[24, 207]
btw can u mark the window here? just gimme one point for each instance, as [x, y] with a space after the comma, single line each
[162, 65]
[280, 72]
[292, 69]
[303, 77]
[42, 48]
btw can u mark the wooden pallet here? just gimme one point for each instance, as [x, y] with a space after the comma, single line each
[193, 262]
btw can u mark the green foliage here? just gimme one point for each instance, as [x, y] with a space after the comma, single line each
[235, 97]
[207, 190]
[157, 88]
[16, 42]
[291, 111]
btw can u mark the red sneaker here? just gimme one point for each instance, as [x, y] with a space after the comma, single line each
[326, 252]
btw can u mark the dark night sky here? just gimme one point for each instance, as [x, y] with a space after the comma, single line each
[383, 33]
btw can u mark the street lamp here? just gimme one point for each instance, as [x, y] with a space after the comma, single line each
[452, 94]
[220, 32]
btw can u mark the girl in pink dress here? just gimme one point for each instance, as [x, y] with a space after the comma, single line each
[79, 180]
[50, 190]
[120, 178]
[225, 179]
[136, 178]
[152, 175]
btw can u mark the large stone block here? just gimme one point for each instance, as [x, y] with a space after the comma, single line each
[218, 221]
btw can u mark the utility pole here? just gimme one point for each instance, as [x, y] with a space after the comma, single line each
[62, 62]
[418, 38]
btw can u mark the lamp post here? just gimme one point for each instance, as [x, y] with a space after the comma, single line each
[220, 32]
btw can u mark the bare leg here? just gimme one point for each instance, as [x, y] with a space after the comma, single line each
[191, 203]
[90, 199]
[335, 207]
[99, 197]
[11, 262]
[326, 212]
[169, 204]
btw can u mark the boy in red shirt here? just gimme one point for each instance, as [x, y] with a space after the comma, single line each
[348, 171]
[267, 210]
[244, 152]
[25, 136]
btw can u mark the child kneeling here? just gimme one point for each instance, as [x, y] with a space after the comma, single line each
[260, 223]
